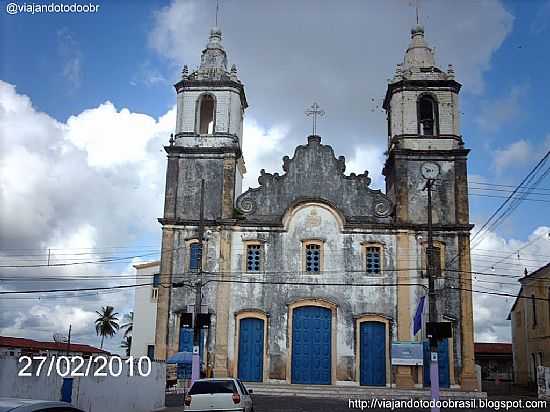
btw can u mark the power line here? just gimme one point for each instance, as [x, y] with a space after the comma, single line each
[510, 197]
[488, 189]
[501, 185]
[271, 282]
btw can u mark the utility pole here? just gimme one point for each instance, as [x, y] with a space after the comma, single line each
[69, 341]
[432, 294]
[196, 365]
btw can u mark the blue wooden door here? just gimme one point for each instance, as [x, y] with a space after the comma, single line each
[311, 345]
[251, 350]
[443, 363]
[186, 345]
[373, 354]
[67, 390]
[186, 341]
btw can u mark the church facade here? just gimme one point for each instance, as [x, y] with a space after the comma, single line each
[311, 276]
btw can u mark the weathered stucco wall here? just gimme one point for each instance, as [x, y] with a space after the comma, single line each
[343, 262]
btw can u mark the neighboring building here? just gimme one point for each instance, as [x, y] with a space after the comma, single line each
[530, 316]
[497, 366]
[321, 229]
[145, 309]
[10, 346]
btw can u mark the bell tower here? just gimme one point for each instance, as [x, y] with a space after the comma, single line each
[206, 146]
[422, 108]
[207, 143]
[423, 116]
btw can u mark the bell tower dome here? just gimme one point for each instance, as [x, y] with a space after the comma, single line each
[422, 100]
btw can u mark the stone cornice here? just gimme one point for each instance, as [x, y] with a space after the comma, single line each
[418, 85]
[428, 154]
[349, 227]
[203, 150]
[186, 84]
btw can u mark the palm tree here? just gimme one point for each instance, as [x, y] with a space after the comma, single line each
[126, 343]
[107, 323]
[129, 325]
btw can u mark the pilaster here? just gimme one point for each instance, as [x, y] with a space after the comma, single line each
[404, 377]
[164, 294]
[468, 376]
[223, 304]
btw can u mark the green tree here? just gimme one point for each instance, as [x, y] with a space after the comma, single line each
[107, 323]
[126, 344]
[128, 325]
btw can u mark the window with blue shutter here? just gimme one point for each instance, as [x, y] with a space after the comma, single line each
[373, 260]
[253, 258]
[194, 257]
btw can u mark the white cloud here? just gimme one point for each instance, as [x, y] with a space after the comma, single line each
[504, 260]
[371, 158]
[520, 153]
[71, 57]
[111, 138]
[515, 155]
[262, 149]
[93, 170]
[497, 113]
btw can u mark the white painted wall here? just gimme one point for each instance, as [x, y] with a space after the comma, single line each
[145, 313]
[91, 394]
[228, 110]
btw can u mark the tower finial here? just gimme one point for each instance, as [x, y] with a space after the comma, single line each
[417, 22]
[217, 11]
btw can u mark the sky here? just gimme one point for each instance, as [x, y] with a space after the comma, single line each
[87, 104]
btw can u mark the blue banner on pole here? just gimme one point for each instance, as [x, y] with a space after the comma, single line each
[418, 316]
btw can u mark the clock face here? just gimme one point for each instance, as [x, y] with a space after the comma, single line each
[429, 170]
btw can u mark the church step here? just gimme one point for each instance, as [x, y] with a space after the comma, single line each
[354, 392]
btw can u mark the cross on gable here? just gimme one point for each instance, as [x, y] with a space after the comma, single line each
[314, 111]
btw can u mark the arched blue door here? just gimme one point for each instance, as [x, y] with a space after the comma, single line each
[442, 361]
[311, 345]
[373, 354]
[251, 349]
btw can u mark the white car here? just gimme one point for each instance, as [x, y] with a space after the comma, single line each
[218, 394]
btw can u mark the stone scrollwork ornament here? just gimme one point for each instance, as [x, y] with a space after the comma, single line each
[382, 207]
[246, 205]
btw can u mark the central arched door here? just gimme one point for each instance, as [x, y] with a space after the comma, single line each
[251, 350]
[311, 345]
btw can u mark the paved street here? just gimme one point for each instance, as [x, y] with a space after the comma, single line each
[264, 403]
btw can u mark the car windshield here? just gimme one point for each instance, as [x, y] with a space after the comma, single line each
[205, 387]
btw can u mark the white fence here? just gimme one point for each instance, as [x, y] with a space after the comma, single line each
[89, 393]
[543, 374]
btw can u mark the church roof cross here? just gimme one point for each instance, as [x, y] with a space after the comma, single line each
[314, 111]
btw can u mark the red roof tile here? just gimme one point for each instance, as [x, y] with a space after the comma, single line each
[503, 348]
[23, 343]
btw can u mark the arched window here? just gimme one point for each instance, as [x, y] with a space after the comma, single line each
[428, 122]
[207, 109]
